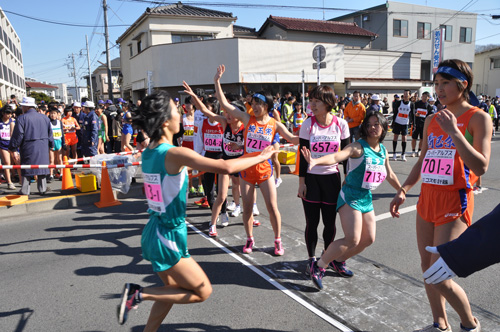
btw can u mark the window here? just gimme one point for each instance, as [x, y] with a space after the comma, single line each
[188, 38]
[131, 50]
[423, 30]
[400, 28]
[448, 31]
[139, 46]
[496, 63]
[466, 35]
[366, 17]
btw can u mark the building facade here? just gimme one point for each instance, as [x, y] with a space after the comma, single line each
[405, 27]
[11, 61]
[49, 90]
[76, 95]
[100, 81]
[273, 61]
[487, 73]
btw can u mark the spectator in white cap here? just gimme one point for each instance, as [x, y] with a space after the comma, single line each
[33, 137]
[375, 104]
[90, 130]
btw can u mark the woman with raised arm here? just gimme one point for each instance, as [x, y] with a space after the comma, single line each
[260, 130]
[457, 152]
[164, 238]
[232, 147]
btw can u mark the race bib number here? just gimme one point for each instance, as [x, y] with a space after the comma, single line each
[5, 135]
[229, 151]
[402, 115]
[152, 189]
[57, 133]
[324, 144]
[188, 135]
[422, 113]
[256, 142]
[374, 176]
[213, 142]
[438, 166]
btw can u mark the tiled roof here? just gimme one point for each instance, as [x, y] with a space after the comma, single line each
[239, 28]
[299, 24]
[38, 85]
[179, 9]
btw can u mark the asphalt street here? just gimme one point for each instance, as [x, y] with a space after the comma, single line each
[63, 270]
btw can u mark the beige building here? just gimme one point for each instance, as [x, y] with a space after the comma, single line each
[100, 81]
[11, 61]
[487, 72]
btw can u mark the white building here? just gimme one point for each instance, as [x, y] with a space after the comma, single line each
[169, 44]
[61, 92]
[405, 27]
[77, 94]
[487, 72]
[11, 61]
[49, 90]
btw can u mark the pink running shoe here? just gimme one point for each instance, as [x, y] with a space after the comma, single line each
[247, 249]
[278, 248]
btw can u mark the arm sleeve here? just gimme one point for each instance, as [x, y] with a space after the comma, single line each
[303, 165]
[51, 134]
[62, 137]
[477, 248]
[343, 144]
[17, 136]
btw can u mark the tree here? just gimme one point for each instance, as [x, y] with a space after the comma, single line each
[39, 96]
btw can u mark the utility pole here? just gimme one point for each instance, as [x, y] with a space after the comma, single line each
[90, 74]
[108, 61]
[74, 76]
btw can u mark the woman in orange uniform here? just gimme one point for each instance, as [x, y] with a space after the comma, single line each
[70, 126]
[457, 152]
[260, 130]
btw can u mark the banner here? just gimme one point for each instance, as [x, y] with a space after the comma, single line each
[437, 48]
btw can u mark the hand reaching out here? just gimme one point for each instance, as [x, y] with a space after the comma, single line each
[307, 155]
[220, 71]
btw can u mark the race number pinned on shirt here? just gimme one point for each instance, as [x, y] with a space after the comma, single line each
[437, 167]
[256, 142]
[324, 144]
[152, 189]
[374, 176]
[213, 142]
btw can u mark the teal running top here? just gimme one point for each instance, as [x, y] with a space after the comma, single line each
[166, 193]
[368, 171]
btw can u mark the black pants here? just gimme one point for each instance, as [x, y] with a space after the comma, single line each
[313, 212]
[208, 186]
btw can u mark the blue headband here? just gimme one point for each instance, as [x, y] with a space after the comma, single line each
[259, 96]
[460, 76]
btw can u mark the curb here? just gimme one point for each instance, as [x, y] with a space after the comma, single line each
[64, 202]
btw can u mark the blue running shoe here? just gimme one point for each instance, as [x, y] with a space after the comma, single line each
[340, 269]
[130, 300]
[317, 274]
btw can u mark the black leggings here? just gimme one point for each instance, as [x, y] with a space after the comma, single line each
[208, 186]
[312, 212]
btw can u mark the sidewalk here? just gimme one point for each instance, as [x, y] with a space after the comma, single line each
[55, 199]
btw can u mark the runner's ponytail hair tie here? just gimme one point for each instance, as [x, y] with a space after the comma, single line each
[460, 76]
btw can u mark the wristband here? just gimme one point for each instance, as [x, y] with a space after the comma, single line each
[403, 190]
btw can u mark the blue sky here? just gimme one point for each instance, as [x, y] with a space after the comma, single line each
[47, 47]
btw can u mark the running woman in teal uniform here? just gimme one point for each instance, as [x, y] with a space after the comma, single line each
[368, 166]
[164, 238]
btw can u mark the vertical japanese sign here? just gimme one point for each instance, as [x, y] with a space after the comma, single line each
[437, 48]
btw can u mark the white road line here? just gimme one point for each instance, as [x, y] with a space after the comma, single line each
[401, 211]
[273, 282]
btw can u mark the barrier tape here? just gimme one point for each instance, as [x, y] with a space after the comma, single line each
[136, 163]
[110, 154]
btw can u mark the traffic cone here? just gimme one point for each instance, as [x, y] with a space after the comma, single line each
[67, 179]
[297, 162]
[107, 195]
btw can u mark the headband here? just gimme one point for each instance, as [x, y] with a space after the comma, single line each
[259, 96]
[461, 77]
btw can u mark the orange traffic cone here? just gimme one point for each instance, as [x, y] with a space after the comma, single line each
[107, 196]
[297, 162]
[67, 179]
